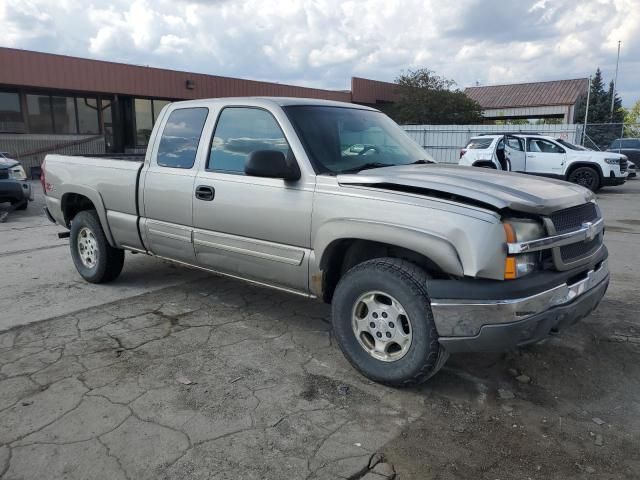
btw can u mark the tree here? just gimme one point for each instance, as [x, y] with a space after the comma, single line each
[602, 126]
[427, 98]
[632, 120]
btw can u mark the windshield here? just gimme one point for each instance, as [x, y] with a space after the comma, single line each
[340, 140]
[570, 145]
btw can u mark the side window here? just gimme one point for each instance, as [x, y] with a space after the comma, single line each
[543, 146]
[629, 144]
[514, 143]
[615, 144]
[180, 137]
[240, 131]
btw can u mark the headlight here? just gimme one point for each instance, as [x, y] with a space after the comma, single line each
[521, 230]
[17, 173]
[612, 161]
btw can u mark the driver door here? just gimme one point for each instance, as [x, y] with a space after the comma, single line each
[545, 157]
[514, 153]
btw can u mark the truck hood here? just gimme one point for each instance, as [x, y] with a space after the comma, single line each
[480, 186]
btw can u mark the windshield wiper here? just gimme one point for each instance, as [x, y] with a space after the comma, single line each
[367, 166]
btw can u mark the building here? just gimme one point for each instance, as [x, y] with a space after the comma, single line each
[532, 101]
[55, 103]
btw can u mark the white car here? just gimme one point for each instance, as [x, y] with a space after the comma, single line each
[547, 157]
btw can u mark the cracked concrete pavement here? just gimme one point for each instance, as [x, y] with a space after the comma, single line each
[210, 378]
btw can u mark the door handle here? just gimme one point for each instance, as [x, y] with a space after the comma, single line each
[205, 192]
[531, 156]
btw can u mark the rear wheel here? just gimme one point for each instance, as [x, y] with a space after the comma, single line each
[93, 257]
[586, 177]
[383, 323]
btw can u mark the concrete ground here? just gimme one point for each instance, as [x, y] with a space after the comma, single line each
[173, 374]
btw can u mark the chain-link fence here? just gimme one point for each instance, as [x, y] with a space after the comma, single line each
[599, 136]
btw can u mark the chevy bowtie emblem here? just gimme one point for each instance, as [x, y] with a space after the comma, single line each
[591, 231]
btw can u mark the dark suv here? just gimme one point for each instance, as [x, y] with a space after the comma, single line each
[629, 147]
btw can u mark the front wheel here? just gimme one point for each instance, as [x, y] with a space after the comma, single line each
[95, 260]
[382, 321]
[20, 204]
[586, 177]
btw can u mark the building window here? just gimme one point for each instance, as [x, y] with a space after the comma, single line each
[64, 114]
[88, 115]
[158, 105]
[39, 110]
[180, 137]
[144, 120]
[11, 119]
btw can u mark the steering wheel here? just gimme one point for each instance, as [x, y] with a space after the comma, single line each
[367, 148]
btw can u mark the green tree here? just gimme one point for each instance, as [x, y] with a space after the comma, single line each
[602, 126]
[427, 98]
[632, 120]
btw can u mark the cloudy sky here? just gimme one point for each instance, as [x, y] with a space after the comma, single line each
[323, 43]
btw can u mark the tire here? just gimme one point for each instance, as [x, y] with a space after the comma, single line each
[20, 204]
[402, 282]
[587, 177]
[96, 260]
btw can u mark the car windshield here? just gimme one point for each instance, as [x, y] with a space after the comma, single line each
[342, 140]
[570, 145]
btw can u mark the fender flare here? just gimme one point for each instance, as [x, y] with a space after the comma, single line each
[436, 248]
[95, 198]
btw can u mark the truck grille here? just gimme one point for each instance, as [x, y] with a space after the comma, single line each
[570, 220]
[569, 253]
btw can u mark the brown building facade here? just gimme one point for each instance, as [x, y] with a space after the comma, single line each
[69, 97]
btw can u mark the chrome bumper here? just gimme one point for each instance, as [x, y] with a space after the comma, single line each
[465, 318]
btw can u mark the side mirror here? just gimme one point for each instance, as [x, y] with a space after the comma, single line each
[270, 164]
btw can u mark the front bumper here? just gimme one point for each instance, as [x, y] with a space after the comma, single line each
[613, 181]
[15, 190]
[498, 325]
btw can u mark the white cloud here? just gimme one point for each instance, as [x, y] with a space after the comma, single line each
[324, 42]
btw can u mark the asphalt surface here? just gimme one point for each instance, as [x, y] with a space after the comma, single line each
[172, 374]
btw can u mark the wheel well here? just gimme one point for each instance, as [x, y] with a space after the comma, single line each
[576, 165]
[484, 164]
[72, 204]
[342, 255]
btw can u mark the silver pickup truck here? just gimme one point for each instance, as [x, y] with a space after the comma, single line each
[333, 201]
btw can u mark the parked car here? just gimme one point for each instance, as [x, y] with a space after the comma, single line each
[546, 156]
[630, 147]
[14, 187]
[418, 260]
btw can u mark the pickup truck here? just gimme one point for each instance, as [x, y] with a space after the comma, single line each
[418, 260]
[547, 157]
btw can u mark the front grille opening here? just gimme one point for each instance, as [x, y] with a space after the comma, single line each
[571, 219]
[578, 250]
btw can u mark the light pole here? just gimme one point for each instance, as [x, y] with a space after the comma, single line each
[586, 112]
[615, 82]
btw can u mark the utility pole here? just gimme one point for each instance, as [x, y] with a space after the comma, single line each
[586, 112]
[615, 82]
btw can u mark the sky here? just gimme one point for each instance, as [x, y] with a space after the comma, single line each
[323, 43]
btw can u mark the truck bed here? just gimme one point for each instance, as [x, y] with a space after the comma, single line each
[110, 183]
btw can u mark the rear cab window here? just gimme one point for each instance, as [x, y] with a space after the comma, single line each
[180, 137]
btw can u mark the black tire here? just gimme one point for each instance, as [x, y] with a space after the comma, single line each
[405, 282]
[20, 204]
[107, 262]
[587, 177]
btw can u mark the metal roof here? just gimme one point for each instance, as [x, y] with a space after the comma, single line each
[557, 92]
